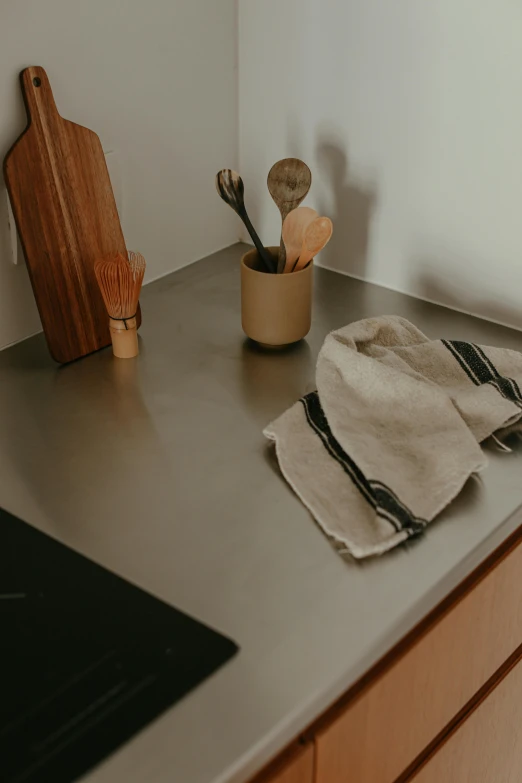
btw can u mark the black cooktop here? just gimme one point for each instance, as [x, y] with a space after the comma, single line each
[86, 659]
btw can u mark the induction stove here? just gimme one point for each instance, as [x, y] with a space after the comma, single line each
[86, 658]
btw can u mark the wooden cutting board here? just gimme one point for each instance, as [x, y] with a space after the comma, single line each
[66, 216]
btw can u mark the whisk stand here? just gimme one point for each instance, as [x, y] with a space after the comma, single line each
[124, 336]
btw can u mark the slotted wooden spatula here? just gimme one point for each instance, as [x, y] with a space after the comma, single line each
[66, 216]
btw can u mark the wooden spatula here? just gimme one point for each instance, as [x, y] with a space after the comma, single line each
[316, 236]
[288, 181]
[66, 216]
[294, 228]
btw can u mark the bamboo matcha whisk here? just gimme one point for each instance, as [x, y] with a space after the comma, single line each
[120, 282]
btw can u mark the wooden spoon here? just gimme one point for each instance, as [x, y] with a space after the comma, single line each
[294, 228]
[316, 236]
[288, 181]
[230, 187]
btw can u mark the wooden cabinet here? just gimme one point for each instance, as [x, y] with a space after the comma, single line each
[487, 748]
[384, 729]
[294, 767]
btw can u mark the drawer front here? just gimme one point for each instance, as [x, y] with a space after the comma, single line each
[296, 768]
[384, 729]
[487, 748]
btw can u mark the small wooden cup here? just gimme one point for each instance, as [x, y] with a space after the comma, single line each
[276, 310]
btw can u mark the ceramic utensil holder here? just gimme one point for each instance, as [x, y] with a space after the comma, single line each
[276, 310]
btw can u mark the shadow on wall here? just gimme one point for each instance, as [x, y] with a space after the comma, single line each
[350, 206]
[455, 291]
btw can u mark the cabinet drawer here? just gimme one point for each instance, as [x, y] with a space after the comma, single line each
[294, 767]
[394, 718]
[487, 748]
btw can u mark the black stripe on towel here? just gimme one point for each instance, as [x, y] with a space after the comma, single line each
[480, 369]
[450, 346]
[507, 386]
[386, 504]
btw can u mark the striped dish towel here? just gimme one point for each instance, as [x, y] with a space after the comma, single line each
[393, 431]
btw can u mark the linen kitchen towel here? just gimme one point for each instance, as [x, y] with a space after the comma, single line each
[393, 431]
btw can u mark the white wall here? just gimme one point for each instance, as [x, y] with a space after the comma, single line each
[410, 115]
[157, 81]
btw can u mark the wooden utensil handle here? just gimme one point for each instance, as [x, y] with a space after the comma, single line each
[267, 261]
[303, 260]
[281, 260]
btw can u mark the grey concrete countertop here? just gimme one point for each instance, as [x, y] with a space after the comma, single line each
[157, 469]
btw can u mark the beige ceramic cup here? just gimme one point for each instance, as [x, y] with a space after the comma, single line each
[276, 310]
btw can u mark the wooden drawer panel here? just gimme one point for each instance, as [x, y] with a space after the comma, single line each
[294, 767]
[487, 748]
[392, 720]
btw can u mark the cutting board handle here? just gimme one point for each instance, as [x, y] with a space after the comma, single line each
[37, 93]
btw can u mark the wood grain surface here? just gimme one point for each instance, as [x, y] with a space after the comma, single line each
[294, 766]
[66, 216]
[288, 182]
[294, 227]
[391, 721]
[487, 747]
